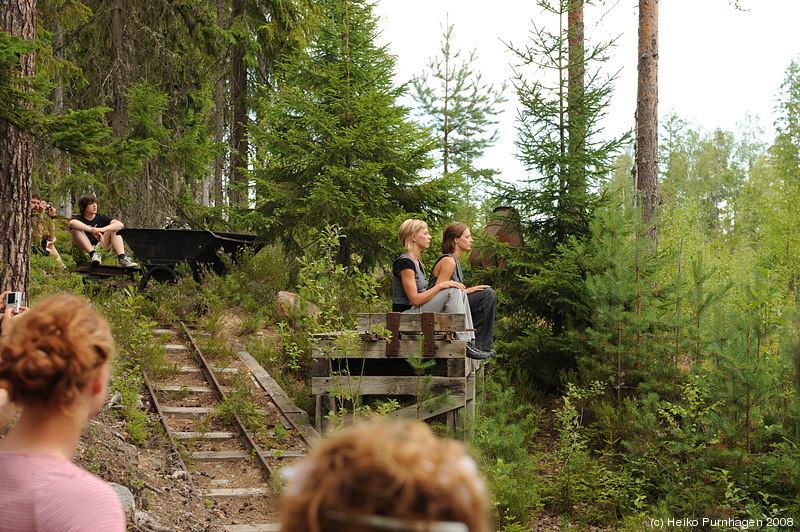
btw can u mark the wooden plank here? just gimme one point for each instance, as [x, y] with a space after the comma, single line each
[187, 412]
[458, 368]
[387, 385]
[393, 324]
[234, 492]
[224, 456]
[297, 417]
[377, 349]
[395, 367]
[183, 389]
[220, 456]
[268, 383]
[410, 322]
[190, 369]
[256, 527]
[428, 331]
[426, 410]
[175, 347]
[206, 436]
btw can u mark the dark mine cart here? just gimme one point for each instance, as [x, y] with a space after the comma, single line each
[160, 251]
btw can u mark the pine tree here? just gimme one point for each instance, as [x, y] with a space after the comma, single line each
[80, 134]
[646, 169]
[338, 148]
[16, 156]
[459, 107]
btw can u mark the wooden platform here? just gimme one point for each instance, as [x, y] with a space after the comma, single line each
[374, 368]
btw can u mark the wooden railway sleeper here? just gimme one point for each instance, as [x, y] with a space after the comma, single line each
[239, 425]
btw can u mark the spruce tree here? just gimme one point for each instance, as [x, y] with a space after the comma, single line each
[566, 159]
[338, 147]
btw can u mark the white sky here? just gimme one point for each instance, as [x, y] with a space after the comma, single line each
[716, 63]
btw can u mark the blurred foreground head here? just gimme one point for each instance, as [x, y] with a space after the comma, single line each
[386, 475]
[54, 350]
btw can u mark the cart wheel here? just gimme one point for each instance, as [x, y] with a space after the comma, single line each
[162, 274]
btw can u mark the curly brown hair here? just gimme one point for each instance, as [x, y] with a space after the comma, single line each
[385, 471]
[53, 352]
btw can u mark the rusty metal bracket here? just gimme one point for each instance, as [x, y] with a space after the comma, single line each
[393, 325]
[428, 324]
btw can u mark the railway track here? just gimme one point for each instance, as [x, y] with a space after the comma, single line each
[232, 427]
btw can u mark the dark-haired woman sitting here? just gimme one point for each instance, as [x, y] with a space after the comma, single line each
[482, 298]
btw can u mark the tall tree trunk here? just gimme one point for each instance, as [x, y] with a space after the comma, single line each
[60, 161]
[17, 17]
[577, 68]
[117, 69]
[219, 112]
[647, 112]
[239, 99]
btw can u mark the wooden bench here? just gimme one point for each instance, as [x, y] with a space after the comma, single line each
[374, 368]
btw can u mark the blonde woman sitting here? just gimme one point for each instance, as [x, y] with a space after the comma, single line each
[410, 292]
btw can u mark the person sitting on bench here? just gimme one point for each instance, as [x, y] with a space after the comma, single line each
[89, 228]
[482, 298]
[409, 293]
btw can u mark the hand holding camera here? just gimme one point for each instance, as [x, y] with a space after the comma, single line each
[13, 300]
[10, 309]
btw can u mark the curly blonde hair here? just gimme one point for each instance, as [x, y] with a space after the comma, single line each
[53, 351]
[381, 471]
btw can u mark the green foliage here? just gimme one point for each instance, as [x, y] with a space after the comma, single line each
[625, 339]
[81, 134]
[422, 369]
[339, 148]
[136, 351]
[338, 293]
[48, 277]
[505, 428]
[558, 139]
[746, 366]
[558, 143]
[128, 383]
[460, 109]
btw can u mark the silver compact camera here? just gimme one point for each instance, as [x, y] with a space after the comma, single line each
[14, 300]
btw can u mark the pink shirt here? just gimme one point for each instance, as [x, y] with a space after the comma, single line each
[40, 492]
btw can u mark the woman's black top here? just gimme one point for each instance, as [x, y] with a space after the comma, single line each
[400, 300]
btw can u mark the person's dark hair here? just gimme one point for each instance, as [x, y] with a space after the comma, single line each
[86, 200]
[35, 195]
[451, 232]
[54, 351]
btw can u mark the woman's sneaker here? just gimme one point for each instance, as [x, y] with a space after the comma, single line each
[125, 262]
[95, 257]
[477, 354]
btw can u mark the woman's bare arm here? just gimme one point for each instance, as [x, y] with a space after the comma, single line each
[419, 298]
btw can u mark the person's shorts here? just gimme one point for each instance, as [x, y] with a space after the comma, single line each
[40, 248]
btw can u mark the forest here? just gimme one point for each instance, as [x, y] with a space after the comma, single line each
[648, 334]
